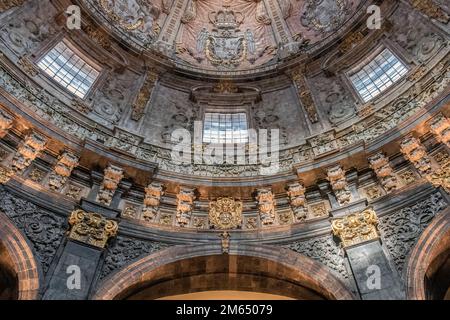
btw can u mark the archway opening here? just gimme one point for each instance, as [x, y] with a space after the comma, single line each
[9, 283]
[437, 277]
[224, 277]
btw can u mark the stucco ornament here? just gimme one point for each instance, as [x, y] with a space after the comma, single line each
[225, 213]
[324, 15]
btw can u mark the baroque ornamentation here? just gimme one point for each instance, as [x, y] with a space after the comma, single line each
[380, 164]
[185, 205]
[44, 229]
[6, 122]
[305, 96]
[225, 213]
[152, 199]
[324, 16]
[67, 161]
[431, 9]
[266, 206]
[324, 143]
[440, 127]
[125, 250]
[324, 250]
[338, 181]
[297, 199]
[91, 228]
[226, 46]
[356, 228]
[401, 229]
[112, 177]
[27, 151]
[415, 152]
[144, 95]
[8, 4]
[28, 66]
[225, 236]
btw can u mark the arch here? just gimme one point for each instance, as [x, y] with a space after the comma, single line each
[196, 263]
[22, 258]
[433, 243]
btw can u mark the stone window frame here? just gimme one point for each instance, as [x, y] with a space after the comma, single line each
[232, 109]
[361, 62]
[88, 58]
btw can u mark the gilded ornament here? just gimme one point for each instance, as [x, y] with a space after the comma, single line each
[225, 213]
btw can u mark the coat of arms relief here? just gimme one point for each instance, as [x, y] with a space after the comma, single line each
[226, 45]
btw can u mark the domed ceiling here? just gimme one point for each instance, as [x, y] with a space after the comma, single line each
[224, 35]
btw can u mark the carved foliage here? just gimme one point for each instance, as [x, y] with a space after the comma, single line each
[440, 127]
[44, 229]
[415, 152]
[401, 230]
[305, 96]
[324, 250]
[125, 250]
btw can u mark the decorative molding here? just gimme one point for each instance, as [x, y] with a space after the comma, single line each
[144, 95]
[225, 236]
[8, 4]
[6, 122]
[112, 177]
[125, 250]
[26, 153]
[338, 181]
[225, 213]
[431, 9]
[185, 206]
[324, 250]
[440, 127]
[305, 96]
[401, 229]
[67, 161]
[266, 206]
[152, 200]
[297, 200]
[415, 152]
[91, 228]
[356, 228]
[44, 229]
[380, 164]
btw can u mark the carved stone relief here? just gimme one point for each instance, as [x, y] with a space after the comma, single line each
[333, 98]
[27, 29]
[413, 33]
[112, 98]
[124, 250]
[401, 230]
[44, 229]
[324, 250]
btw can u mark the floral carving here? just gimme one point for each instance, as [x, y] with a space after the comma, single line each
[124, 250]
[401, 230]
[44, 229]
[324, 250]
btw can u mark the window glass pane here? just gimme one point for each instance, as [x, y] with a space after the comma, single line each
[225, 128]
[377, 76]
[68, 69]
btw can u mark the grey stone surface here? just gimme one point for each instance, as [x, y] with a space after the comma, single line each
[76, 254]
[362, 258]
